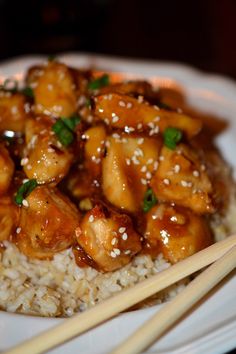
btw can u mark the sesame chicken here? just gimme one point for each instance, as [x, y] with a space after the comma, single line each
[104, 168]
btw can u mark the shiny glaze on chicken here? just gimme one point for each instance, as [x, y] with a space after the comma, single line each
[117, 188]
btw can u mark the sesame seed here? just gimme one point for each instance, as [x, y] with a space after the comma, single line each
[135, 160]
[148, 175]
[151, 125]
[176, 168]
[128, 129]
[91, 218]
[51, 150]
[156, 119]
[127, 252]
[184, 183]
[113, 241]
[155, 165]
[18, 230]
[161, 158]
[116, 251]
[128, 162]
[140, 99]
[149, 161]
[106, 120]
[14, 110]
[24, 161]
[25, 203]
[196, 173]
[122, 229]
[154, 217]
[121, 103]
[25, 180]
[143, 181]
[29, 167]
[203, 167]
[115, 119]
[144, 169]
[50, 87]
[100, 110]
[124, 236]
[129, 105]
[157, 108]
[113, 254]
[116, 136]
[140, 141]
[166, 181]
[139, 126]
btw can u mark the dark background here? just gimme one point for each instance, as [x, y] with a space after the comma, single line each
[201, 32]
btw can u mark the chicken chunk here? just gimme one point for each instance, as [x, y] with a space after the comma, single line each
[181, 178]
[47, 225]
[176, 232]
[45, 159]
[108, 238]
[54, 90]
[12, 112]
[127, 169]
[9, 216]
[6, 169]
[94, 149]
[128, 113]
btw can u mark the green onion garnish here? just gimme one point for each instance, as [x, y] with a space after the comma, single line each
[164, 105]
[28, 91]
[171, 137]
[99, 82]
[64, 129]
[149, 200]
[52, 57]
[24, 190]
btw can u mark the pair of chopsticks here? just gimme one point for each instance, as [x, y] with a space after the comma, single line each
[224, 250]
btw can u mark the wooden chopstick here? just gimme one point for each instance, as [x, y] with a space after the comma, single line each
[81, 322]
[170, 313]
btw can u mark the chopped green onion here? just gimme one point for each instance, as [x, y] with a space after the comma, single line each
[149, 200]
[64, 129]
[28, 91]
[52, 57]
[99, 82]
[171, 137]
[24, 190]
[71, 122]
[164, 105]
[88, 103]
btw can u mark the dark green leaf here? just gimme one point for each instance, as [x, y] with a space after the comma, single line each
[149, 200]
[99, 82]
[28, 91]
[64, 129]
[71, 122]
[24, 190]
[171, 137]
[52, 57]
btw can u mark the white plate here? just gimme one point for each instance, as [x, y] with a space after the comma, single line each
[211, 327]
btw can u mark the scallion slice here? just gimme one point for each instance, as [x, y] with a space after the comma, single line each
[171, 137]
[24, 190]
[100, 82]
[149, 200]
[64, 129]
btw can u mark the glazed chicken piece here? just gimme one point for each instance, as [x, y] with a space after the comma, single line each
[48, 221]
[181, 178]
[176, 232]
[54, 89]
[128, 168]
[13, 112]
[128, 113]
[9, 216]
[6, 169]
[108, 238]
[45, 159]
[94, 149]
